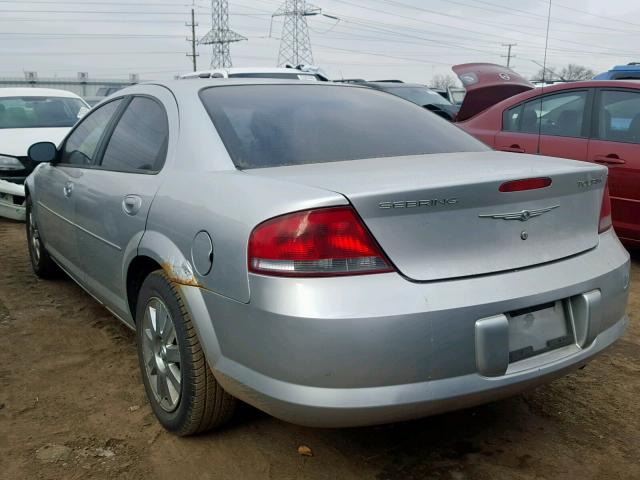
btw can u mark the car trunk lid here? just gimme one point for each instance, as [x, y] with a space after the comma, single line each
[486, 85]
[443, 216]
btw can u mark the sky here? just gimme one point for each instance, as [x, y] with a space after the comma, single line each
[412, 40]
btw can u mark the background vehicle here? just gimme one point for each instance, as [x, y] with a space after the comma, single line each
[301, 72]
[595, 121]
[454, 94]
[29, 115]
[256, 250]
[630, 71]
[101, 94]
[415, 93]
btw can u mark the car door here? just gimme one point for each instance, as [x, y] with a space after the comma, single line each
[517, 135]
[56, 186]
[556, 125]
[113, 200]
[616, 144]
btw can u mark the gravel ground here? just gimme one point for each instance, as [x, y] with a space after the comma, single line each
[72, 406]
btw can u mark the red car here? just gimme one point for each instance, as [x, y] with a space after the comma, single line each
[595, 121]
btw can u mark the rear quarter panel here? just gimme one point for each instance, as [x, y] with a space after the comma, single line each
[227, 205]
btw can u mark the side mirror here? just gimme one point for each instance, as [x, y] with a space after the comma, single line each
[42, 152]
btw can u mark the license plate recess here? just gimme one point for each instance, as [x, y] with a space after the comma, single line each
[538, 329]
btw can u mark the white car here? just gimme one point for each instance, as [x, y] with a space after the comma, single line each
[27, 116]
[302, 72]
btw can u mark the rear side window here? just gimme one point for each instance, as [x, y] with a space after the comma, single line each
[619, 116]
[276, 125]
[139, 141]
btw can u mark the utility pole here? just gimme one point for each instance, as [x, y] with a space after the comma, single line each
[508, 55]
[295, 45]
[220, 36]
[192, 39]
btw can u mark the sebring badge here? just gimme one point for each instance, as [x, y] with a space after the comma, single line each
[435, 202]
[522, 215]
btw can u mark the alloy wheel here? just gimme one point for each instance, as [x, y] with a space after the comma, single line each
[34, 238]
[161, 354]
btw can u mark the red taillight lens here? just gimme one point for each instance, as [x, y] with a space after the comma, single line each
[605, 211]
[321, 242]
[525, 184]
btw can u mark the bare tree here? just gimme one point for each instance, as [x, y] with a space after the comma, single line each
[443, 81]
[570, 73]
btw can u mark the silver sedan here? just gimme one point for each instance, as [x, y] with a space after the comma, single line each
[331, 254]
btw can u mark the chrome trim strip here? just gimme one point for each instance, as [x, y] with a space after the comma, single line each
[97, 237]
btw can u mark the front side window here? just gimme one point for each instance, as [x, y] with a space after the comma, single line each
[82, 145]
[139, 141]
[559, 114]
[292, 124]
[40, 112]
[619, 116]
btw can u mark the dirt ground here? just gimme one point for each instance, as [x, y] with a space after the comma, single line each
[72, 406]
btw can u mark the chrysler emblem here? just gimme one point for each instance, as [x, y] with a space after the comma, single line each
[522, 215]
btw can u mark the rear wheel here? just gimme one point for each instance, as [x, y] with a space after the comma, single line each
[41, 262]
[184, 394]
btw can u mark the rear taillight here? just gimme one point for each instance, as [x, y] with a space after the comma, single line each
[321, 242]
[605, 211]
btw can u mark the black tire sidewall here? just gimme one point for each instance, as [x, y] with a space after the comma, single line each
[35, 265]
[157, 285]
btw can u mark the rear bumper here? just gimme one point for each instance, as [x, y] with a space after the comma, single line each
[376, 349]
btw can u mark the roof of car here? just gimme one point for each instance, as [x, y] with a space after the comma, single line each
[628, 67]
[398, 85]
[246, 70]
[184, 87]
[36, 92]
[591, 84]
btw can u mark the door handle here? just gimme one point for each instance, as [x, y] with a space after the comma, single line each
[67, 189]
[515, 148]
[131, 204]
[611, 159]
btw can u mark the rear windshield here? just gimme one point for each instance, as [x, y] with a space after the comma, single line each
[277, 125]
[40, 112]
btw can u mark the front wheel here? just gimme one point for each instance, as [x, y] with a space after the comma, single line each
[184, 394]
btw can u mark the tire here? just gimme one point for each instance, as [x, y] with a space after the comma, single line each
[41, 263]
[169, 351]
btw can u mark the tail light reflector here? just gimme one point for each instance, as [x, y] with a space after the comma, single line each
[525, 184]
[320, 242]
[605, 211]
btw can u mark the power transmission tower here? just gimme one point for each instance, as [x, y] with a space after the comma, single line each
[508, 55]
[193, 39]
[220, 36]
[295, 45]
